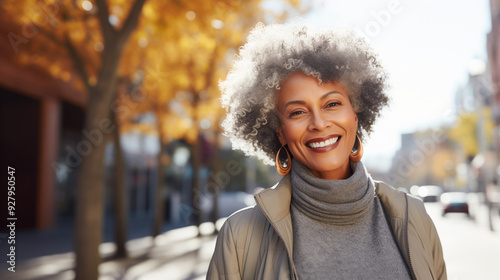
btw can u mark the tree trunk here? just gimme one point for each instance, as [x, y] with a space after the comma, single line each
[214, 189]
[89, 204]
[120, 200]
[160, 202]
[195, 191]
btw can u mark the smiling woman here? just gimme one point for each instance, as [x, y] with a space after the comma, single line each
[318, 124]
[312, 95]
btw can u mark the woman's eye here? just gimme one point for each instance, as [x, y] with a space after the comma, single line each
[296, 113]
[333, 104]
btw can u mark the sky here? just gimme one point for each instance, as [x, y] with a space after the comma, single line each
[425, 46]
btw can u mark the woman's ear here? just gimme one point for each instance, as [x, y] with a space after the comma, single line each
[279, 132]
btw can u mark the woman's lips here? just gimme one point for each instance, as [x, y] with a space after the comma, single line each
[323, 144]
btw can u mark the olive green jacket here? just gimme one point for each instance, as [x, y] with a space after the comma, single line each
[257, 242]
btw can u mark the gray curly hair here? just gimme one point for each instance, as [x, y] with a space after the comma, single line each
[273, 53]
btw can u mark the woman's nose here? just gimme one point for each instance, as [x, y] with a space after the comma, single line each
[318, 122]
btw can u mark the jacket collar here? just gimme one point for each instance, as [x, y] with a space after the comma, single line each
[392, 200]
[275, 201]
[275, 205]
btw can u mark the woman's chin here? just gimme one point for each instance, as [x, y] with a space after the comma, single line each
[327, 162]
[329, 168]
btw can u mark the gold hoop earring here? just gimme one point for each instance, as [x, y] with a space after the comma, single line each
[283, 169]
[358, 154]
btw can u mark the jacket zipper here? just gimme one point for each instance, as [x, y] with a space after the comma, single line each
[407, 240]
[290, 261]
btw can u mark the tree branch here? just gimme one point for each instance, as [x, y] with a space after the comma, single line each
[77, 62]
[132, 19]
[108, 30]
[211, 68]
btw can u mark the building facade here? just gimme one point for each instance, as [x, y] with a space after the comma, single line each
[39, 116]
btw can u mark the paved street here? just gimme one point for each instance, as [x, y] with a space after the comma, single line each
[471, 250]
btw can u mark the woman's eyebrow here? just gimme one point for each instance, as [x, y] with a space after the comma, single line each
[301, 102]
[330, 92]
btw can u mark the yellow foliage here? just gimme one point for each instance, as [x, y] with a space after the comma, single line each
[177, 46]
[465, 131]
[149, 13]
[443, 164]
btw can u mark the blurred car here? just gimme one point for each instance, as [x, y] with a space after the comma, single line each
[455, 202]
[430, 193]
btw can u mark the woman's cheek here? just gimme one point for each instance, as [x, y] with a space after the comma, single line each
[293, 131]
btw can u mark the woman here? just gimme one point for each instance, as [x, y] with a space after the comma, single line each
[307, 98]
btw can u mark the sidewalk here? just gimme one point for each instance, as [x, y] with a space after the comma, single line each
[174, 255]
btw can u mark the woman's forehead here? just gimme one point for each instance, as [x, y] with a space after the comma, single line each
[299, 82]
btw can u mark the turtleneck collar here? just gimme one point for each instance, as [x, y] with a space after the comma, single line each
[341, 202]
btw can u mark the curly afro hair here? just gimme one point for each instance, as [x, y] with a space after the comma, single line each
[273, 53]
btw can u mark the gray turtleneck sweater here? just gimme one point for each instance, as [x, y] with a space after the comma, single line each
[340, 230]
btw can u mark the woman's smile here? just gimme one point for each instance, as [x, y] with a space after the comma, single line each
[325, 144]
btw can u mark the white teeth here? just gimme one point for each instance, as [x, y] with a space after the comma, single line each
[323, 144]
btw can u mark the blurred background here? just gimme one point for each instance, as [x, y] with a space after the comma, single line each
[110, 119]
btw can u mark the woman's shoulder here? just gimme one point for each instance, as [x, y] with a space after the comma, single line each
[244, 219]
[243, 214]
[274, 200]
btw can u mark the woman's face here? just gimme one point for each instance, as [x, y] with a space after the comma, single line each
[319, 125]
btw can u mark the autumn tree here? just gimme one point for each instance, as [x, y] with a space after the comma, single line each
[88, 37]
[467, 132]
[177, 45]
